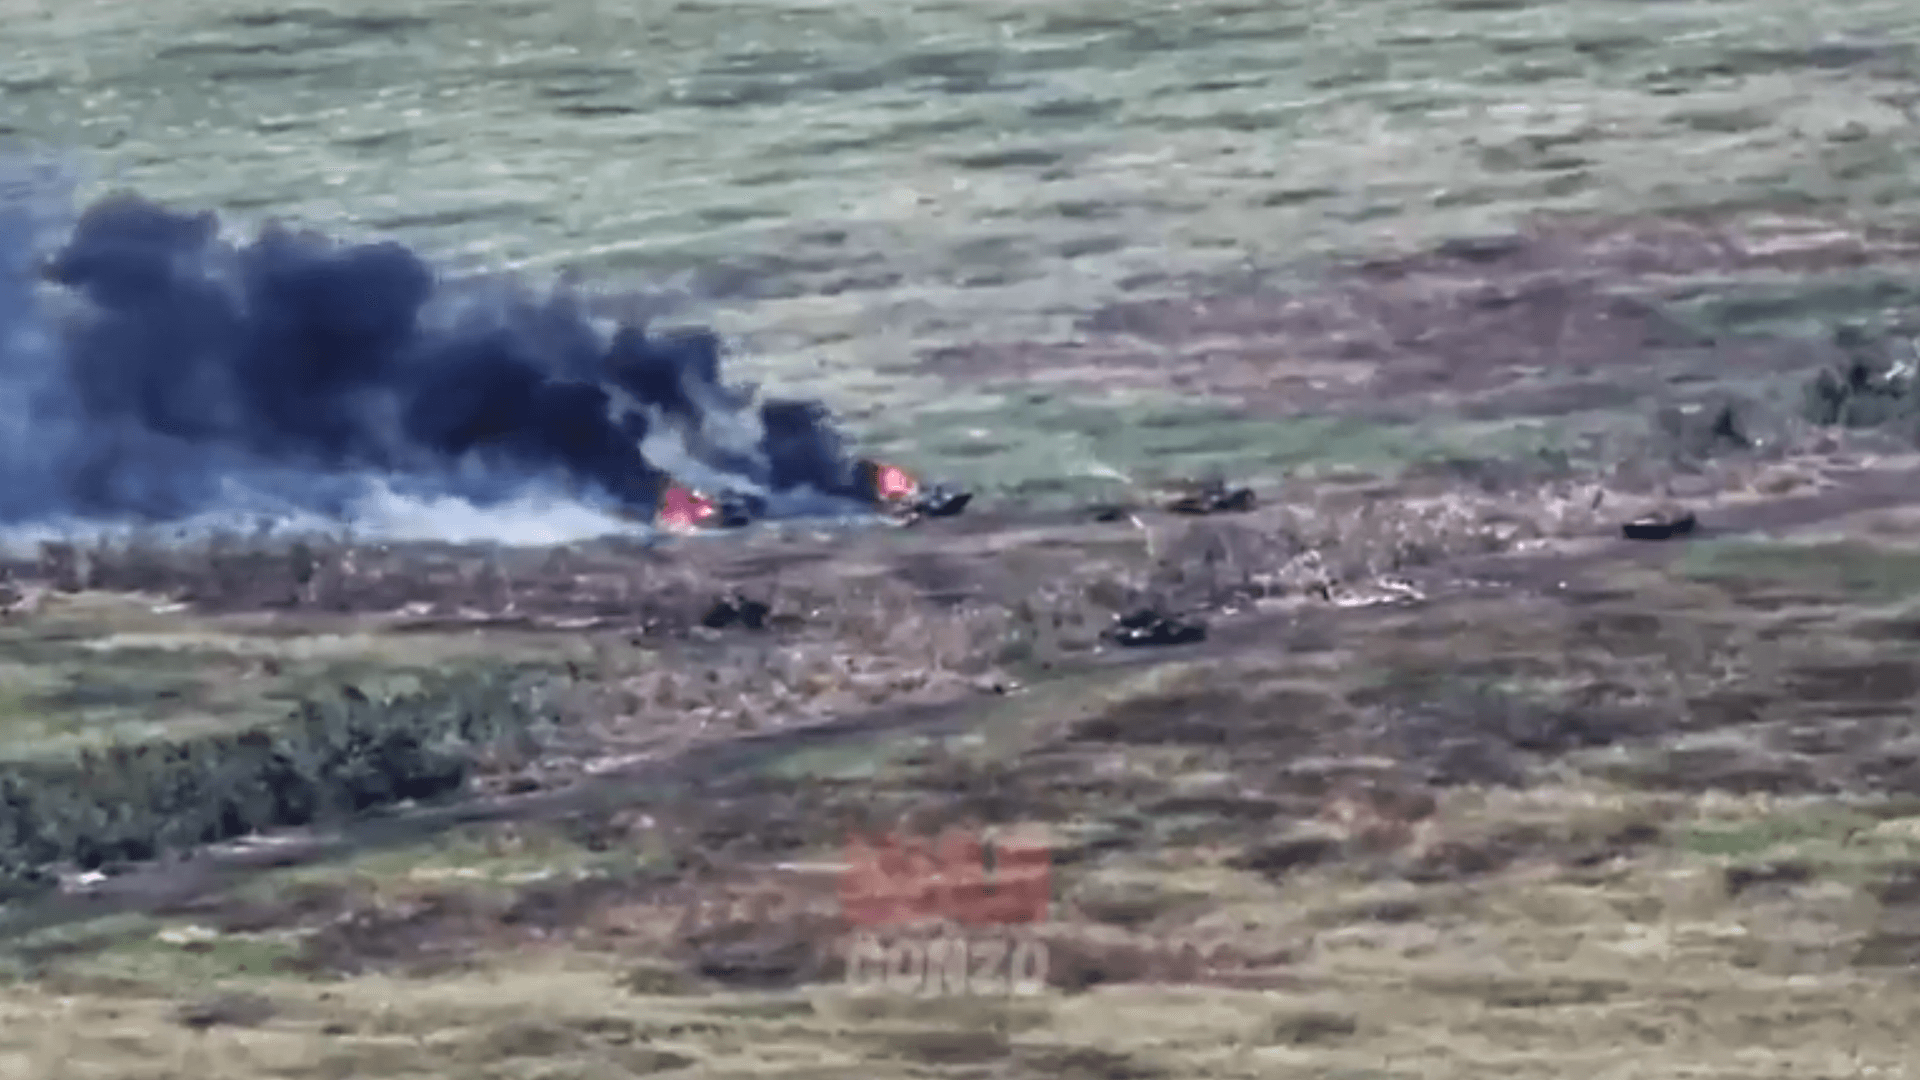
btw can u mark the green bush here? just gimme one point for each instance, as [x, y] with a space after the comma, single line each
[1866, 390]
[329, 759]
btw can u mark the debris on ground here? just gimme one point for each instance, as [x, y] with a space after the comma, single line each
[1214, 497]
[1385, 590]
[229, 1009]
[1870, 387]
[736, 611]
[1660, 525]
[1700, 431]
[1146, 627]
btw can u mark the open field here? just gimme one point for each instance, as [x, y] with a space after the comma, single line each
[1557, 792]
[853, 190]
[1459, 784]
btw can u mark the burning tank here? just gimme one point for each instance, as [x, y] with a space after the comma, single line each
[887, 490]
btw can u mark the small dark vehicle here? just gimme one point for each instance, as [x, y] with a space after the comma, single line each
[736, 611]
[1214, 497]
[737, 510]
[1659, 526]
[1146, 627]
[899, 493]
[941, 501]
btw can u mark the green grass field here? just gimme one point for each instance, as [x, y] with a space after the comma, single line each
[1464, 786]
[846, 187]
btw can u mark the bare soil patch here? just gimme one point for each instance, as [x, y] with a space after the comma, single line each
[1437, 718]
[1564, 316]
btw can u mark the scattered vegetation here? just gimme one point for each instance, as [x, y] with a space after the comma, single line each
[330, 760]
[1872, 387]
[1442, 754]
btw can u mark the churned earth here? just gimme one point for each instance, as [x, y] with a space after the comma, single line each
[1459, 781]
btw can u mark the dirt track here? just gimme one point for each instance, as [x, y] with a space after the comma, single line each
[1282, 707]
[717, 767]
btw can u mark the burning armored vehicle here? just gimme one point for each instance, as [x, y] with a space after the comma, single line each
[290, 370]
[888, 490]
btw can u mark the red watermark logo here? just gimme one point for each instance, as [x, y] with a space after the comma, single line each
[978, 892]
[949, 965]
[900, 880]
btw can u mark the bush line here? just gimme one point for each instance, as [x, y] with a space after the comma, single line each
[329, 759]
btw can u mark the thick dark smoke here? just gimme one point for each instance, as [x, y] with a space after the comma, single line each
[151, 371]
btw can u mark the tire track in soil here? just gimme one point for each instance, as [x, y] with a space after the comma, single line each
[717, 767]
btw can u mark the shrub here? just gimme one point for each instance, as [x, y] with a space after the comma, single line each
[1867, 390]
[330, 759]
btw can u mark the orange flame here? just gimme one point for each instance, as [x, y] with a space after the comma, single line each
[682, 509]
[894, 483]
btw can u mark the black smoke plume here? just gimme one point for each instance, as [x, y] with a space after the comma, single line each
[154, 371]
